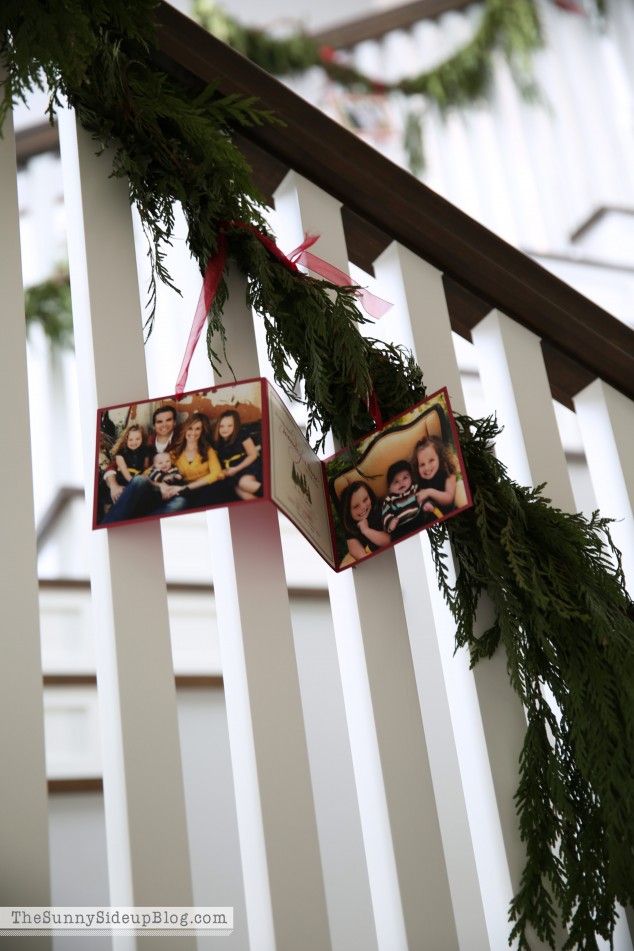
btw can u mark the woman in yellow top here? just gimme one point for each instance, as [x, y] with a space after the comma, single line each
[198, 463]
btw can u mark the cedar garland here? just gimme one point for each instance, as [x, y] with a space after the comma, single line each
[562, 614]
[512, 29]
[464, 78]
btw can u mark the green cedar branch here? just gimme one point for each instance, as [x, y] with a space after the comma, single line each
[565, 622]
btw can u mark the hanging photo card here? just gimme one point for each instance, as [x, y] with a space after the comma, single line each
[297, 478]
[407, 476]
[181, 454]
[238, 444]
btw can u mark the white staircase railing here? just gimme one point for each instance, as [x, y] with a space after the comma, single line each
[375, 815]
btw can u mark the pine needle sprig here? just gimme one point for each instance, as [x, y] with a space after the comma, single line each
[50, 45]
[171, 147]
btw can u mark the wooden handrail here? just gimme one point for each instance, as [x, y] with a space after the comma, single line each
[376, 25]
[382, 202]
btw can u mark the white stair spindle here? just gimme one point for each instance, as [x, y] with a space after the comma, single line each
[281, 862]
[396, 798]
[148, 853]
[24, 879]
[606, 420]
[502, 716]
[457, 736]
[516, 388]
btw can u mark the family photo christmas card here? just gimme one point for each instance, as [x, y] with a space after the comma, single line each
[405, 477]
[180, 454]
[238, 444]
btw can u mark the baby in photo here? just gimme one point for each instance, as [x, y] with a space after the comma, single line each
[402, 509]
[164, 470]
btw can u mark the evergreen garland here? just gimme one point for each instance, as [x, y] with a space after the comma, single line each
[566, 624]
[561, 610]
[512, 29]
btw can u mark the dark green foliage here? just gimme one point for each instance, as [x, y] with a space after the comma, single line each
[513, 29]
[566, 624]
[561, 611]
[51, 45]
[313, 336]
[171, 146]
[49, 305]
[277, 56]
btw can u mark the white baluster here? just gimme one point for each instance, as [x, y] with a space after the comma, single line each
[516, 388]
[502, 716]
[148, 854]
[456, 735]
[606, 420]
[281, 862]
[24, 879]
[396, 798]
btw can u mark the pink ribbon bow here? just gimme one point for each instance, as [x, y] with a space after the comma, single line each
[373, 305]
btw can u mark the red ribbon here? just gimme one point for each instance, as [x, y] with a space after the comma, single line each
[374, 409]
[327, 54]
[213, 273]
[569, 6]
[373, 305]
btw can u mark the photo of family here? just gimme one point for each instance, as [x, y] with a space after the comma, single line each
[160, 457]
[407, 477]
[240, 443]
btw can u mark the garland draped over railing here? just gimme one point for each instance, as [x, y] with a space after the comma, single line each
[562, 613]
[510, 30]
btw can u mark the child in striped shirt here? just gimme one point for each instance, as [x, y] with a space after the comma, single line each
[402, 511]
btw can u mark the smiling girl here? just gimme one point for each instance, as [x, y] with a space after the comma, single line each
[436, 475]
[361, 516]
[131, 453]
[238, 455]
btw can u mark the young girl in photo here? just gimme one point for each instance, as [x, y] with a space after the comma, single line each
[131, 453]
[238, 455]
[435, 468]
[362, 521]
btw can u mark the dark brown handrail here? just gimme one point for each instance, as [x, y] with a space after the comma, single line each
[382, 203]
[351, 32]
